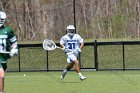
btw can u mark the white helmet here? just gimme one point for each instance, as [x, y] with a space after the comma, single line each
[70, 30]
[2, 18]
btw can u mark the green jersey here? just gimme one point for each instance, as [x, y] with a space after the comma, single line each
[7, 38]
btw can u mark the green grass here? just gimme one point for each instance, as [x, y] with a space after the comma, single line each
[96, 82]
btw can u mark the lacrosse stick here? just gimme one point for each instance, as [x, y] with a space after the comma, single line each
[50, 45]
[4, 52]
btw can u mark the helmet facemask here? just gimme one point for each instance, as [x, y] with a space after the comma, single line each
[2, 22]
[70, 30]
[2, 18]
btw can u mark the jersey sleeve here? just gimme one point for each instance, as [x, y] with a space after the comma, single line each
[12, 38]
[80, 39]
[62, 41]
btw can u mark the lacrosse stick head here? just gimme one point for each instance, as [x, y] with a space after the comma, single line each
[49, 44]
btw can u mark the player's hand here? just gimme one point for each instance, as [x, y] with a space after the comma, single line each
[77, 50]
[13, 52]
[66, 49]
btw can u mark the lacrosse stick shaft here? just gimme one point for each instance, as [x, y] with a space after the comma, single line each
[2, 52]
[70, 51]
[60, 48]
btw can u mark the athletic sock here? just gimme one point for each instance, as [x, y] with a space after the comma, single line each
[80, 75]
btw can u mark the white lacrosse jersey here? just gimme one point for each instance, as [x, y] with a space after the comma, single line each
[71, 43]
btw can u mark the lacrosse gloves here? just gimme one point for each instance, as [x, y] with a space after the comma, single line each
[14, 50]
[67, 50]
[76, 51]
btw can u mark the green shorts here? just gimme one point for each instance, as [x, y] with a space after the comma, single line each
[3, 65]
[0, 65]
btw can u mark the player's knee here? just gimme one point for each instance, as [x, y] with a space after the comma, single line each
[1, 73]
[68, 68]
[1, 77]
[76, 62]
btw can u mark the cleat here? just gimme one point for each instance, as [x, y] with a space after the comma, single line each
[82, 78]
[63, 75]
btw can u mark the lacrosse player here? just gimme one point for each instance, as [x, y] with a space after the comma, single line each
[72, 44]
[8, 42]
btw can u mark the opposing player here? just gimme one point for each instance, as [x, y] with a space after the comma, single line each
[72, 44]
[8, 42]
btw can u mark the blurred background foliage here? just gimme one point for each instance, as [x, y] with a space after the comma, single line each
[34, 20]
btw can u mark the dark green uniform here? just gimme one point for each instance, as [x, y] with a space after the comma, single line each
[7, 38]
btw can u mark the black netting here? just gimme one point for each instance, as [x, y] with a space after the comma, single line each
[109, 56]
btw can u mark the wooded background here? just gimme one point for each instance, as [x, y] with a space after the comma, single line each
[35, 20]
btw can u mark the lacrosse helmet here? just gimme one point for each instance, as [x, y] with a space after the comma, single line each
[2, 18]
[70, 30]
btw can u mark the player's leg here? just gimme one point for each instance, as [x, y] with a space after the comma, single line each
[1, 80]
[77, 68]
[3, 67]
[72, 59]
[68, 67]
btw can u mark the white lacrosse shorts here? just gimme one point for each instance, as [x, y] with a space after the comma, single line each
[71, 57]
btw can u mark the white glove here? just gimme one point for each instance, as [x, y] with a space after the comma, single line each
[13, 52]
[77, 51]
[66, 49]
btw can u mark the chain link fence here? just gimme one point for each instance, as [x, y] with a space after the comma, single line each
[95, 55]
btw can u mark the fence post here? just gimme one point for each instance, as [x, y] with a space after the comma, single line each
[47, 64]
[95, 55]
[79, 58]
[123, 58]
[74, 16]
[19, 59]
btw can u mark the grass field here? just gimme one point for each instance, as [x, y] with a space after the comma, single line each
[96, 82]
